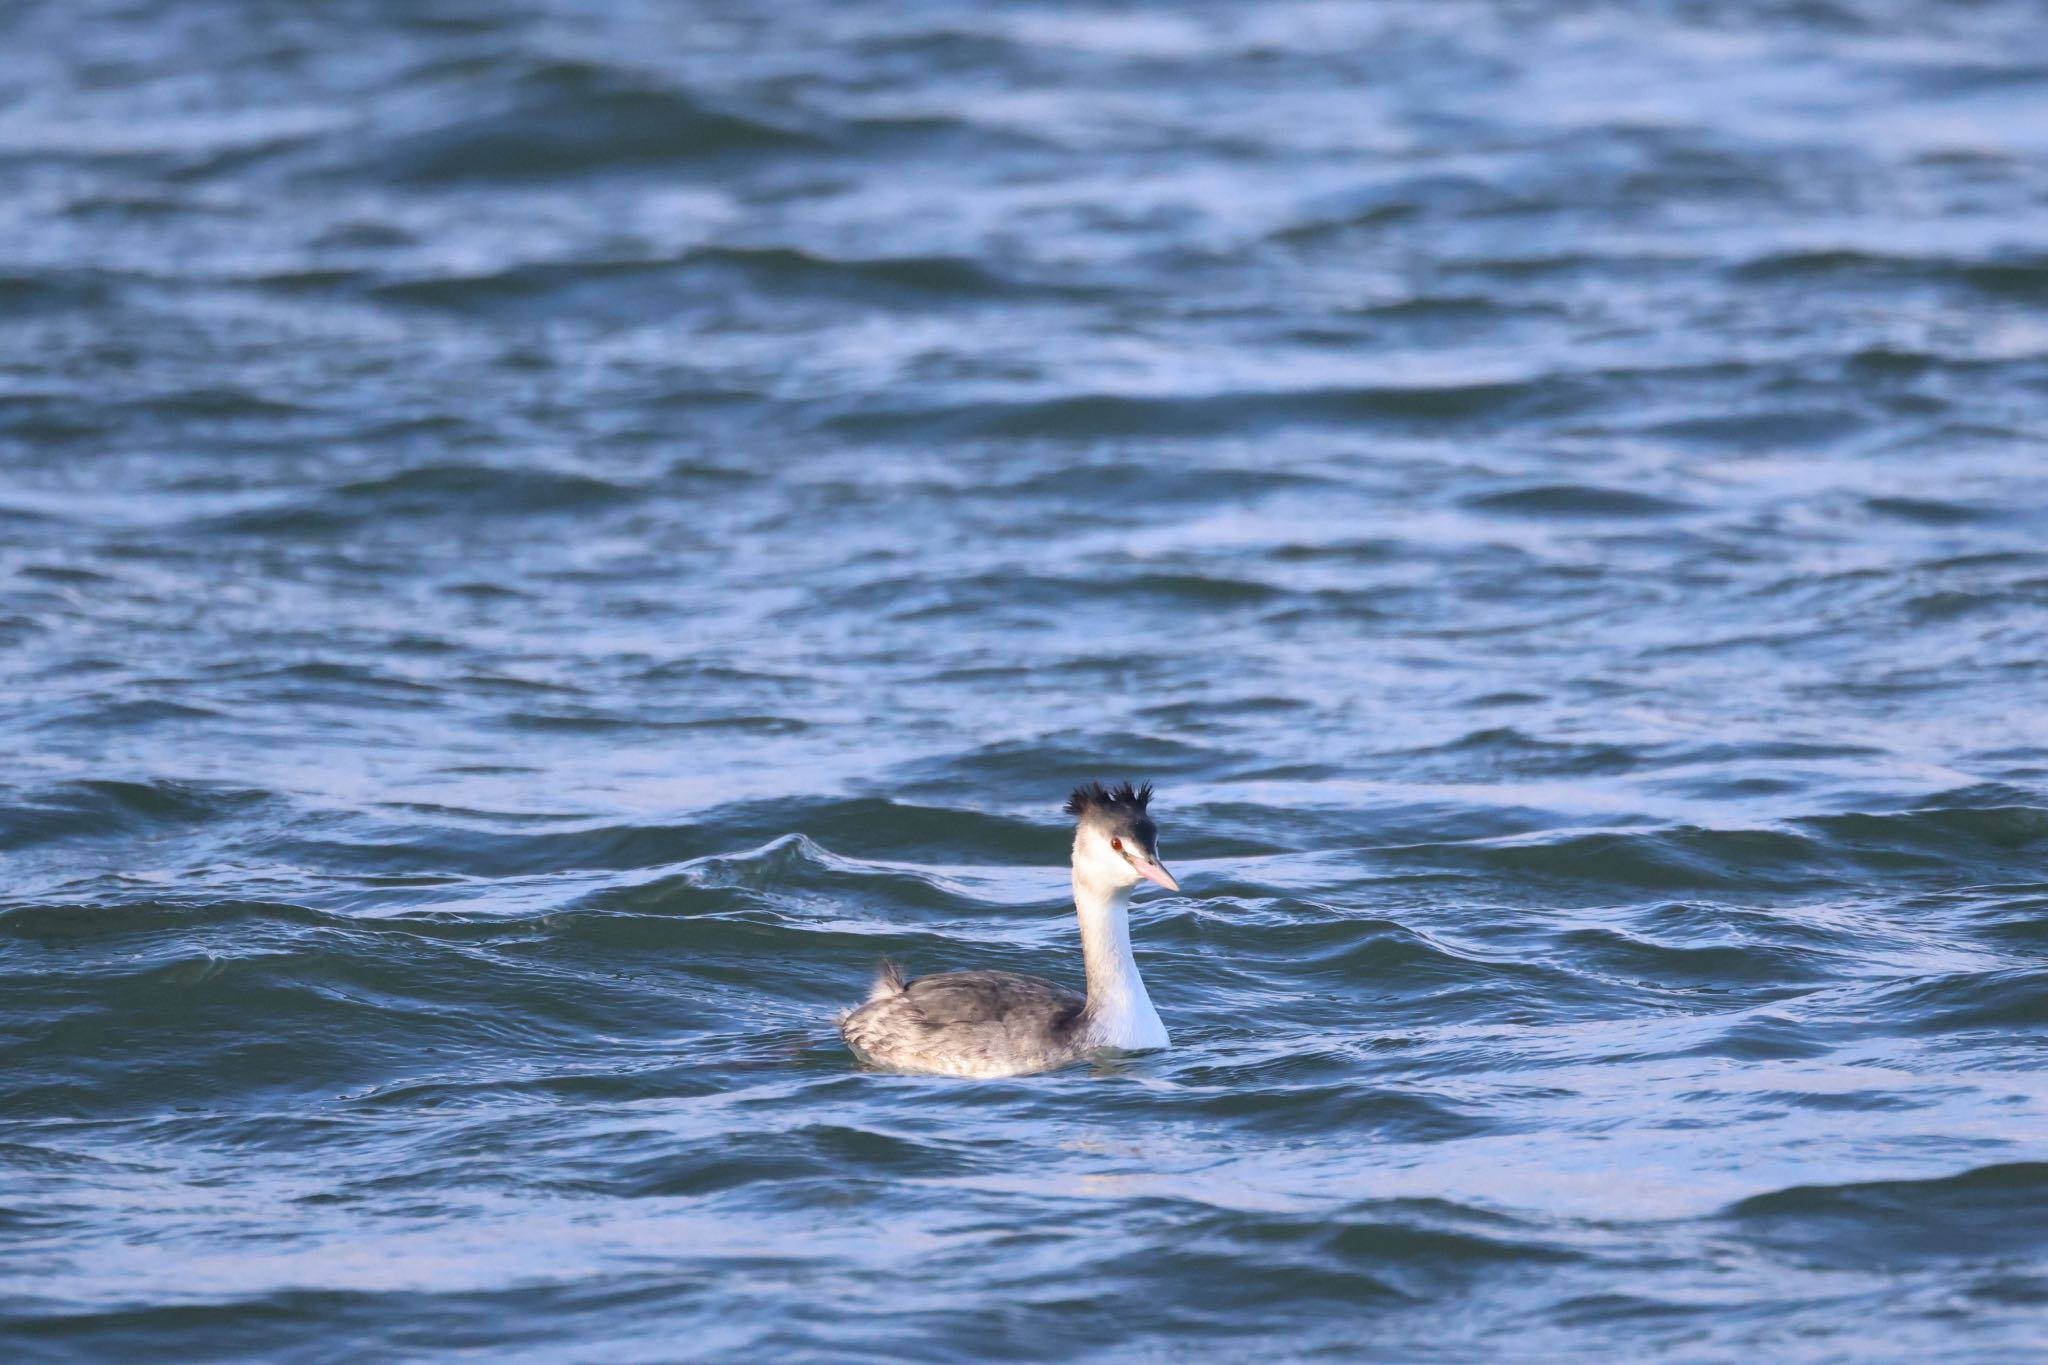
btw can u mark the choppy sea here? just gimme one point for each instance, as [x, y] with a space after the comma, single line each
[538, 539]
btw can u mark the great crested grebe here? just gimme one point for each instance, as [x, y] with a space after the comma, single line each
[1006, 1024]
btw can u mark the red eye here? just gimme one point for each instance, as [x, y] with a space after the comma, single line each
[1117, 844]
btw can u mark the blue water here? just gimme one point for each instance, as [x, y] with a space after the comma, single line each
[536, 541]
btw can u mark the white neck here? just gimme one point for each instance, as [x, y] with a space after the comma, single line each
[1120, 1013]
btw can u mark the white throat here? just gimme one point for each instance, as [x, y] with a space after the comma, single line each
[1120, 1013]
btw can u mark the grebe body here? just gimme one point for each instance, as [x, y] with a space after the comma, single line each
[987, 1023]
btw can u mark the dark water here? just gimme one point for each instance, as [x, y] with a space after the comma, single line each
[536, 540]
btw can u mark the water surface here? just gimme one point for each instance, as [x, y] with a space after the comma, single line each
[536, 541]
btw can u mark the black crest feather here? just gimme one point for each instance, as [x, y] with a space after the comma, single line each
[1093, 795]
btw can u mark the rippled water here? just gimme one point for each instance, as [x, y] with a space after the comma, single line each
[535, 541]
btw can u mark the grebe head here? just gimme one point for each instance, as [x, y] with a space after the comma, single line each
[1115, 842]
